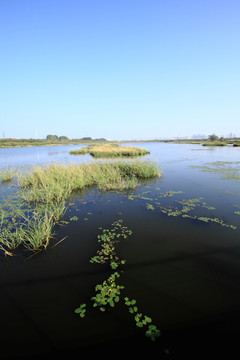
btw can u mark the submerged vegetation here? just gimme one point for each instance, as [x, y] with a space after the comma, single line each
[110, 151]
[228, 170]
[108, 294]
[188, 209]
[28, 218]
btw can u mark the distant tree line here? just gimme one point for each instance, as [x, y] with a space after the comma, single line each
[65, 138]
[214, 137]
[56, 138]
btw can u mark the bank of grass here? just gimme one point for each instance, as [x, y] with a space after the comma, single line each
[110, 151]
[214, 143]
[43, 193]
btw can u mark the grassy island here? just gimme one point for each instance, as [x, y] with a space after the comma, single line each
[42, 195]
[214, 143]
[110, 151]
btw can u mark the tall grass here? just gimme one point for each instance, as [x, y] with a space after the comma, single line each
[56, 182]
[43, 195]
[214, 143]
[110, 151]
[6, 175]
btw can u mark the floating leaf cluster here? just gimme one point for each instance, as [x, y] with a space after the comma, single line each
[142, 320]
[108, 293]
[183, 208]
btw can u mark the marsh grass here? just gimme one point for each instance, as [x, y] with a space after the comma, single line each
[43, 193]
[6, 175]
[38, 231]
[56, 182]
[110, 151]
[214, 143]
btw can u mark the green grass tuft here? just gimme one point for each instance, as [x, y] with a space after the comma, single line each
[43, 195]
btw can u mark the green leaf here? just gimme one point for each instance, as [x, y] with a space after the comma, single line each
[138, 317]
[148, 319]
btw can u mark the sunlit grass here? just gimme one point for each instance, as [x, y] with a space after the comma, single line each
[43, 193]
[6, 175]
[110, 151]
[56, 182]
[214, 143]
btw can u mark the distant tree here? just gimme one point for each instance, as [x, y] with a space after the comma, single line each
[52, 137]
[213, 137]
[222, 138]
[62, 138]
[86, 138]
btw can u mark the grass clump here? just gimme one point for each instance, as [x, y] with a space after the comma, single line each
[56, 182]
[214, 143]
[6, 175]
[110, 151]
[41, 199]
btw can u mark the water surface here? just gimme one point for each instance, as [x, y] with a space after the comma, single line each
[183, 273]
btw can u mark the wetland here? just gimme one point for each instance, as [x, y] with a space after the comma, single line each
[136, 253]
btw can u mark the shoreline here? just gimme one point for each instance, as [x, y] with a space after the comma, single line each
[20, 143]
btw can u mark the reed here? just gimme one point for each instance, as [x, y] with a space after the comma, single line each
[214, 143]
[44, 191]
[56, 182]
[6, 175]
[110, 151]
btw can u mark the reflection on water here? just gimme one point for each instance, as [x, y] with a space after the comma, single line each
[184, 272]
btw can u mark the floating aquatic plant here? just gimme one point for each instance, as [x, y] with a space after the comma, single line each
[142, 320]
[109, 239]
[81, 310]
[108, 293]
[187, 206]
[228, 170]
[150, 206]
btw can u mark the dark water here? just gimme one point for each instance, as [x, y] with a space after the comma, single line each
[183, 273]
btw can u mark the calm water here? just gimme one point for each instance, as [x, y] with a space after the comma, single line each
[183, 273]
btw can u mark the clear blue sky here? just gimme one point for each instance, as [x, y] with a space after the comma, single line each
[119, 69]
